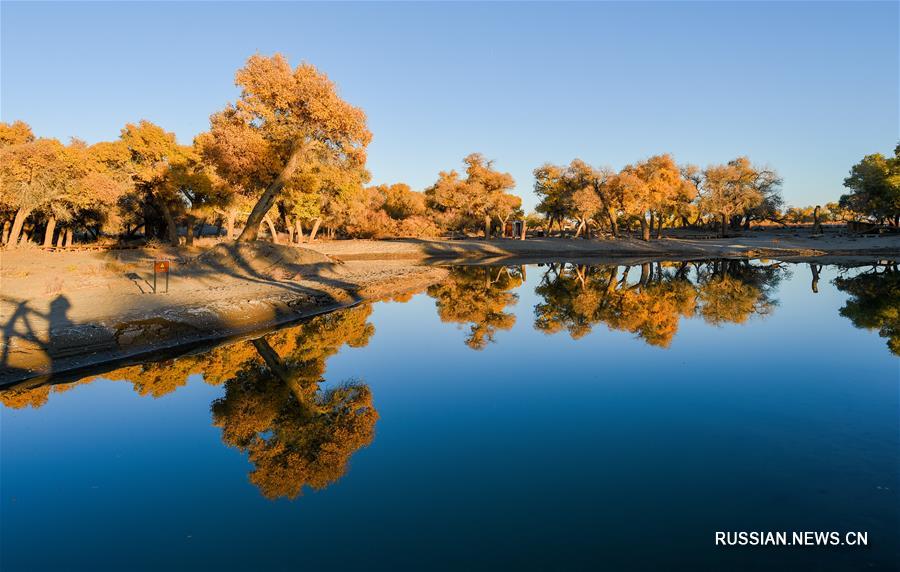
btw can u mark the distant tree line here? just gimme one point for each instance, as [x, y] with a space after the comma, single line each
[654, 194]
[288, 157]
[657, 193]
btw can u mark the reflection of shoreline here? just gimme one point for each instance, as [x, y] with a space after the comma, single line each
[298, 434]
[38, 342]
[646, 299]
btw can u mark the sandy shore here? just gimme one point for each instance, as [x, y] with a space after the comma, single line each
[754, 244]
[63, 311]
[68, 310]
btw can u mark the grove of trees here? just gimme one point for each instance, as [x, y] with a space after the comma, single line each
[288, 159]
[874, 185]
[655, 193]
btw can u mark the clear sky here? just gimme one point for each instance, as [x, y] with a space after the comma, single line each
[807, 88]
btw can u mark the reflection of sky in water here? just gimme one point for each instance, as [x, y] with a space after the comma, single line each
[537, 451]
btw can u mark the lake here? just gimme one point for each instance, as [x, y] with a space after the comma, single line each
[554, 416]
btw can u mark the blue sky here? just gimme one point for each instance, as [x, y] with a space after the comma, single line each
[807, 88]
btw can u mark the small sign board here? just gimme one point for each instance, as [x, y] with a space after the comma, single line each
[160, 267]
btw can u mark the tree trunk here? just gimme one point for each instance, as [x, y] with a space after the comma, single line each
[229, 224]
[290, 229]
[284, 374]
[18, 223]
[645, 230]
[272, 231]
[613, 224]
[315, 229]
[613, 277]
[487, 227]
[60, 240]
[265, 202]
[70, 237]
[5, 236]
[189, 231]
[171, 228]
[645, 274]
[815, 277]
[578, 228]
[817, 226]
[659, 226]
[524, 230]
[298, 229]
[48, 233]
[724, 224]
[502, 222]
[652, 222]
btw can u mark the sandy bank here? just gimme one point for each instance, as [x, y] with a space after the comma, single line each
[770, 243]
[64, 311]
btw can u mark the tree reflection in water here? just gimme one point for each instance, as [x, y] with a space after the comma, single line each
[295, 433]
[298, 434]
[478, 296]
[577, 297]
[874, 302]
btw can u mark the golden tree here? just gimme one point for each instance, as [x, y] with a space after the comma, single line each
[555, 200]
[734, 189]
[152, 151]
[33, 176]
[287, 122]
[464, 204]
[15, 133]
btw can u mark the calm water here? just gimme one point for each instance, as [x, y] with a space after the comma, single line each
[546, 417]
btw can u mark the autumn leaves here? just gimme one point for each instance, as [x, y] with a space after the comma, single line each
[653, 193]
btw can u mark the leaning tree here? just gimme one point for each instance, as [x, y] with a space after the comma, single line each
[286, 122]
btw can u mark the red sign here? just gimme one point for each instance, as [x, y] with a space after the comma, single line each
[161, 266]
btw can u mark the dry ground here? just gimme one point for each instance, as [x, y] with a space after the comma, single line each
[62, 310]
[774, 243]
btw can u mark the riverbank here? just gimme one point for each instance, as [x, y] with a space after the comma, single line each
[793, 244]
[63, 311]
[69, 310]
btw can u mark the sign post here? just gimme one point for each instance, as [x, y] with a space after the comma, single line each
[160, 266]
